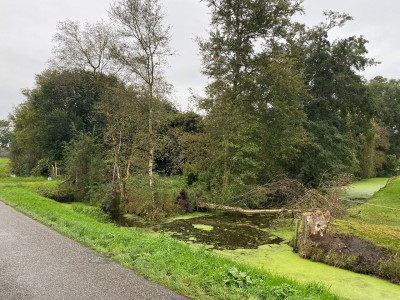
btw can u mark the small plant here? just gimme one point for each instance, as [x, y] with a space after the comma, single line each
[282, 292]
[390, 268]
[238, 278]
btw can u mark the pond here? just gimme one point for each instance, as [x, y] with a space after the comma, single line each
[223, 231]
[262, 241]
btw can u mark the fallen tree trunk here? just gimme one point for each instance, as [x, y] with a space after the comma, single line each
[246, 211]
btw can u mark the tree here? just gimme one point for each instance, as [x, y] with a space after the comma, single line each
[254, 101]
[143, 50]
[386, 96]
[61, 104]
[339, 109]
[124, 114]
[5, 133]
[84, 165]
[25, 150]
[85, 47]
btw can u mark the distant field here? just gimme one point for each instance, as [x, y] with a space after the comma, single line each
[4, 167]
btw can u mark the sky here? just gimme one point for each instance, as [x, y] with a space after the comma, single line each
[27, 28]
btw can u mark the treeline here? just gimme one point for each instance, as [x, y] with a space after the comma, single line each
[283, 101]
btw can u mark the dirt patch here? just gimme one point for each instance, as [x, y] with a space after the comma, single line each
[351, 253]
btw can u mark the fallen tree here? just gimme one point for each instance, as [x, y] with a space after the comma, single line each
[203, 205]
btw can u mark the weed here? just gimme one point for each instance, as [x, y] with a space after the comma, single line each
[240, 279]
[282, 292]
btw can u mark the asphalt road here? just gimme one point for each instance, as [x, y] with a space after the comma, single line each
[37, 263]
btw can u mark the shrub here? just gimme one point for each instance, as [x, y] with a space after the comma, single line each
[390, 268]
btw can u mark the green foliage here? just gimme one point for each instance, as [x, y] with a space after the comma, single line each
[282, 292]
[390, 268]
[327, 154]
[241, 279]
[254, 121]
[90, 211]
[61, 104]
[5, 133]
[84, 166]
[109, 200]
[168, 188]
[171, 153]
[390, 167]
[385, 94]
[339, 109]
[42, 168]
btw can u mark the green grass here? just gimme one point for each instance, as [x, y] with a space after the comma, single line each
[4, 161]
[378, 220]
[191, 271]
[4, 167]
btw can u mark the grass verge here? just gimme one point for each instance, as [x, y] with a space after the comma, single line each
[378, 220]
[194, 272]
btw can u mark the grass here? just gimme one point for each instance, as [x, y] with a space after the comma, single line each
[191, 271]
[4, 167]
[378, 220]
[4, 161]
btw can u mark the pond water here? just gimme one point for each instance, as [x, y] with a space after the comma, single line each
[223, 232]
[257, 241]
[365, 188]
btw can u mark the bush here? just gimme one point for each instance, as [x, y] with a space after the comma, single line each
[84, 166]
[90, 211]
[110, 201]
[390, 268]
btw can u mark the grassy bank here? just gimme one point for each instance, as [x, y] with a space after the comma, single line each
[378, 220]
[194, 272]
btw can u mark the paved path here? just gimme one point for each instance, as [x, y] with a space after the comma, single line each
[37, 263]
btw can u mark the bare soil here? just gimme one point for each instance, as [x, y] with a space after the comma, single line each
[351, 253]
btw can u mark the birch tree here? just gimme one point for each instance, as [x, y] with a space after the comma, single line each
[143, 50]
[84, 47]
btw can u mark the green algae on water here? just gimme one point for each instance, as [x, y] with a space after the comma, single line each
[281, 260]
[203, 227]
[224, 231]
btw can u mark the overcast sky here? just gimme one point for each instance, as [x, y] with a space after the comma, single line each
[27, 27]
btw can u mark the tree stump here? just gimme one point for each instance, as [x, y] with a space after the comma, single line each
[314, 226]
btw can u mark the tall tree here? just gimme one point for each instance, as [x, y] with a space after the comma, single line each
[143, 51]
[61, 104]
[254, 88]
[339, 110]
[86, 47]
[386, 95]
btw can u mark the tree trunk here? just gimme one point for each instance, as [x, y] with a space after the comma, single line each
[314, 226]
[245, 211]
[151, 152]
